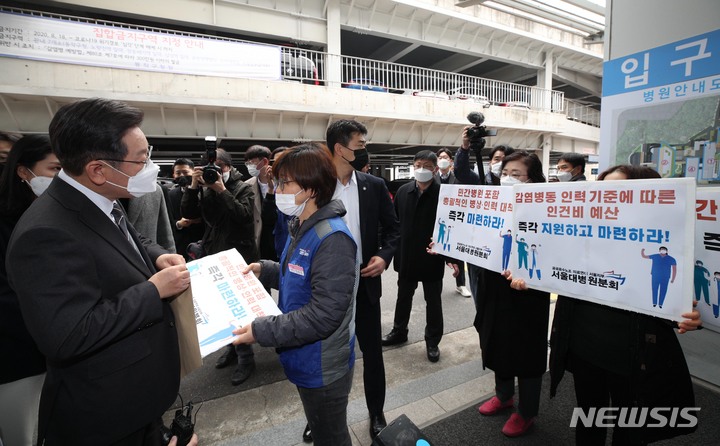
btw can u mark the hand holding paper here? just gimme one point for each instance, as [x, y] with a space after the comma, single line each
[245, 335]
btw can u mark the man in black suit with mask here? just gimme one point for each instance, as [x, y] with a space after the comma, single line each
[92, 291]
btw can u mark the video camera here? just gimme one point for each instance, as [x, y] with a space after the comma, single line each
[478, 132]
[211, 171]
[181, 427]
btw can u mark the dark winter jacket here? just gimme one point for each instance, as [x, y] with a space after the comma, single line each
[417, 215]
[317, 279]
[228, 216]
[656, 367]
[512, 326]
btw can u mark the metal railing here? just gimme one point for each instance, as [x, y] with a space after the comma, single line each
[375, 75]
[313, 67]
[585, 114]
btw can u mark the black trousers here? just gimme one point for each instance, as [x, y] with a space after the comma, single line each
[433, 310]
[149, 435]
[368, 332]
[597, 387]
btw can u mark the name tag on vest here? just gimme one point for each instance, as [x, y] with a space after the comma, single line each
[296, 269]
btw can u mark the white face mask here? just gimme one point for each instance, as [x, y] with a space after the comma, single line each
[443, 163]
[252, 170]
[38, 184]
[286, 204]
[496, 168]
[507, 180]
[564, 176]
[144, 182]
[423, 175]
[226, 176]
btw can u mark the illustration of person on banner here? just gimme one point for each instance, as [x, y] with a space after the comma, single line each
[664, 270]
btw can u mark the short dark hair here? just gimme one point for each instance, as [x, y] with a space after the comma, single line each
[630, 171]
[16, 197]
[507, 150]
[446, 151]
[257, 151]
[574, 159]
[91, 129]
[10, 137]
[224, 157]
[277, 150]
[183, 162]
[342, 131]
[311, 166]
[531, 161]
[425, 155]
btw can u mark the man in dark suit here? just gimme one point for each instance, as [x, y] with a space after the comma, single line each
[369, 209]
[89, 287]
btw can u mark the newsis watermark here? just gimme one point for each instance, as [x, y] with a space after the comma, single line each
[635, 417]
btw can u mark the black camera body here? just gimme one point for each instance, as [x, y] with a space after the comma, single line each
[477, 133]
[181, 427]
[211, 171]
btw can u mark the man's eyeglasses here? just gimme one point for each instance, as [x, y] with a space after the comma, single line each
[144, 163]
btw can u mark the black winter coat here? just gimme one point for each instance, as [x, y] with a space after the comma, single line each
[417, 215]
[659, 373]
[228, 217]
[512, 326]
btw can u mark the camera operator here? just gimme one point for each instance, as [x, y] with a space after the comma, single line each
[226, 206]
[473, 137]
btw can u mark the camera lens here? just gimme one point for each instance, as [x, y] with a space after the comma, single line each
[210, 174]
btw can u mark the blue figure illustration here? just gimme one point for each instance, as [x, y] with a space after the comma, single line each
[446, 245]
[702, 282]
[522, 252]
[441, 231]
[716, 307]
[533, 264]
[664, 269]
[220, 335]
[507, 247]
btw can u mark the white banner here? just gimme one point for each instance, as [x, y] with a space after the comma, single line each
[626, 244]
[55, 40]
[474, 224]
[225, 299]
[707, 256]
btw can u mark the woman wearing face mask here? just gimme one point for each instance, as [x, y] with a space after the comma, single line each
[513, 325]
[30, 168]
[619, 358]
[317, 279]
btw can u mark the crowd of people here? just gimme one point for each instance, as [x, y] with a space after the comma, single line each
[93, 250]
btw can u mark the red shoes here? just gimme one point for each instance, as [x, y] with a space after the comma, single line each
[494, 405]
[517, 425]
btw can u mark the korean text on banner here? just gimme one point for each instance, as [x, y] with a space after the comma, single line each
[707, 256]
[626, 244]
[225, 298]
[474, 224]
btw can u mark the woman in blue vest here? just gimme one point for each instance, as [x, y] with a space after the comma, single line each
[317, 278]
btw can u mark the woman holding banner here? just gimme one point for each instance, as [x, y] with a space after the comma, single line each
[513, 324]
[317, 279]
[621, 359]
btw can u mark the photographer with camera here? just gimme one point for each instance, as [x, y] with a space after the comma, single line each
[473, 138]
[225, 203]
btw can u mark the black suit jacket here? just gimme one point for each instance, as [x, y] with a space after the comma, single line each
[110, 341]
[379, 227]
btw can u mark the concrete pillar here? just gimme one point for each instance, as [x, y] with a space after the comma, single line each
[544, 81]
[333, 64]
